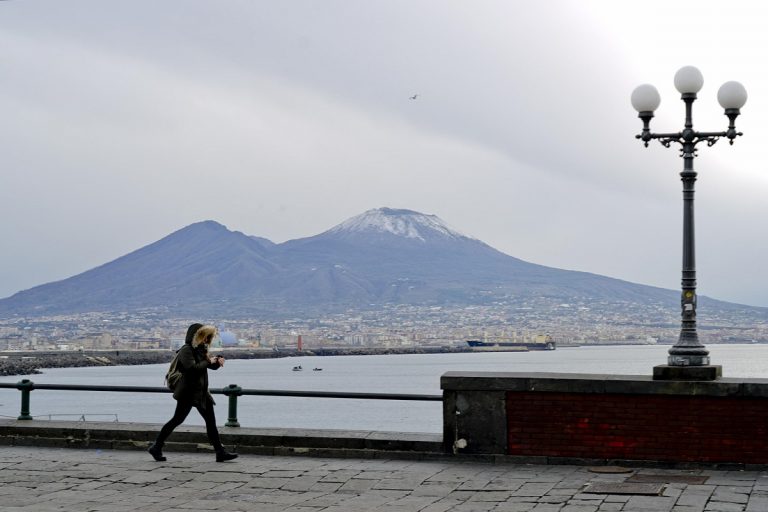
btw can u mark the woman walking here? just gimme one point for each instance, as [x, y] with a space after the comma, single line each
[192, 390]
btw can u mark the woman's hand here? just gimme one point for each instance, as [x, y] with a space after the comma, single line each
[217, 359]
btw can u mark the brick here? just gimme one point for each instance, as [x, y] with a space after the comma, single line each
[640, 427]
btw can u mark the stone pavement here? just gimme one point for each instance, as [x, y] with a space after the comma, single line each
[57, 479]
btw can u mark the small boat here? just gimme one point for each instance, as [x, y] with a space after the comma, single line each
[317, 369]
[297, 368]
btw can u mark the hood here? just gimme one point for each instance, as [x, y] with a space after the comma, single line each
[203, 333]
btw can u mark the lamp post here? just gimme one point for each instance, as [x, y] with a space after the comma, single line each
[688, 358]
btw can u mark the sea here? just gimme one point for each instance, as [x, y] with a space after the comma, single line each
[409, 374]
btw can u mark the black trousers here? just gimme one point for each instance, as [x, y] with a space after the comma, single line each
[183, 409]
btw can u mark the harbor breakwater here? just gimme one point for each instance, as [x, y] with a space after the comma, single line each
[32, 363]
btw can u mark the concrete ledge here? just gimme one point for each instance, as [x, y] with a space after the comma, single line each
[326, 443]
[132, 436]
[600, 383]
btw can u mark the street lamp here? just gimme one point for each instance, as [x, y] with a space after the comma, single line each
[688, 358]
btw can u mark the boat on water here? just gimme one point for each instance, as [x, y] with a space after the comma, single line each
[317, 369]
[540, 342]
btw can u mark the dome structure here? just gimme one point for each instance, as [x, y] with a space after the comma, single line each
[228, 339]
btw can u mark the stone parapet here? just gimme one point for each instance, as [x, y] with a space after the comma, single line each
[606, 417]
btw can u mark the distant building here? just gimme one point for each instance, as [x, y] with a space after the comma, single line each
[228, 339]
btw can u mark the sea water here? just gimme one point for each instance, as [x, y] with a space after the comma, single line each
[408, 374]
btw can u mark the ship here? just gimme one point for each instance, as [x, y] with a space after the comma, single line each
[539, 342]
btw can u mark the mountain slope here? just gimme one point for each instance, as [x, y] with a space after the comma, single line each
[381, 256]
[200, 262]
[403, 254]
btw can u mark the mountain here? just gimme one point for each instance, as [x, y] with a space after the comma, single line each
[381, 256]
[406, 256]
[201, 260]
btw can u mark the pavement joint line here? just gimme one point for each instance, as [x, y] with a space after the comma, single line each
[68, 479]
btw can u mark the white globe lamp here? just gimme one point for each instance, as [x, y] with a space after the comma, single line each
[645, 98]
[732, 95]
[688, 80]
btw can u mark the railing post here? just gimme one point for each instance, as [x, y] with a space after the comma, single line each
[232, 391]
[25, 386]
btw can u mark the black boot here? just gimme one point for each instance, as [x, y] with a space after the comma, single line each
[223, 455]
[156, 450]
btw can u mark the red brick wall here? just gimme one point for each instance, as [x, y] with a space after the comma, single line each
[638, 427]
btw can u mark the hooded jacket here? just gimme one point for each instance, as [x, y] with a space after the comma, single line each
[193, 364]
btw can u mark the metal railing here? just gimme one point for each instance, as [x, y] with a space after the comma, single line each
[233, 391]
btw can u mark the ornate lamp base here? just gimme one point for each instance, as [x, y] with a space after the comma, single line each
[667, 372]
[689, 358]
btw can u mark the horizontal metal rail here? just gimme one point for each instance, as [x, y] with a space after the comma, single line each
[86, 387]
[337, 394]
[227, 391]
[232, 392]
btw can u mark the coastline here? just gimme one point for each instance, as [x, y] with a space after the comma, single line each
[33, 363]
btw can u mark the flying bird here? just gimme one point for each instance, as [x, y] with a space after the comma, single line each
[414, 96]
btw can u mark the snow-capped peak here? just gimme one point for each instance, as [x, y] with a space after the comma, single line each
[404, 223]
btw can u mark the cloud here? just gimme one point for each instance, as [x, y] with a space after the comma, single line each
[125, 121]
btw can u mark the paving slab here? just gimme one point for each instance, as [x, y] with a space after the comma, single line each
[46, 479]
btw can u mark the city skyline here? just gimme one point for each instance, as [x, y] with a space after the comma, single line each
[123, 122]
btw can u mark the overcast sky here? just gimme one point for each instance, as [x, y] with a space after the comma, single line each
[123, 121]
